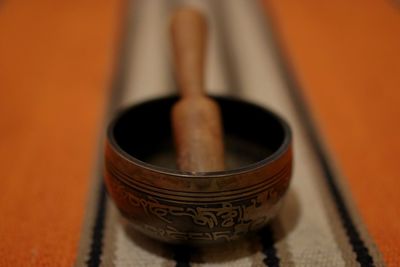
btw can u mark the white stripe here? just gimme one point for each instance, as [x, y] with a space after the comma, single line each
[148, 75]
[149, 70]
[216, 78]
[304, 218]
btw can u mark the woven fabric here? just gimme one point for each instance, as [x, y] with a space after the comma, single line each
[340, 55]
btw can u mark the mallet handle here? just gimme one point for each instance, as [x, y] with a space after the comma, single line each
[196, 118]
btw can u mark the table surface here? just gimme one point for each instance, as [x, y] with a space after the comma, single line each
[58, 63]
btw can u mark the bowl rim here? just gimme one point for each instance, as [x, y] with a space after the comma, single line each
[278, 153]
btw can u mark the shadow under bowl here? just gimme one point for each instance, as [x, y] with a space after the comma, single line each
[197, 208]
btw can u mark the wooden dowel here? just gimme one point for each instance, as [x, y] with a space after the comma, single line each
[196, 118]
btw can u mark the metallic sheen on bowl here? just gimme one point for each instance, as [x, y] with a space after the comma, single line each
[197, 208]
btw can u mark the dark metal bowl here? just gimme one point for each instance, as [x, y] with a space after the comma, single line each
[197, 208]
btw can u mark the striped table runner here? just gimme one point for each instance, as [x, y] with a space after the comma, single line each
[54, 215]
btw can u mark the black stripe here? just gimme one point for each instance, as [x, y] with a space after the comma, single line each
[358, 246]
[96, 247]
[268, 248]
[182, 255]
[362, 253]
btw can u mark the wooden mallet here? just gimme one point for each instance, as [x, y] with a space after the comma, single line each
[196, 118]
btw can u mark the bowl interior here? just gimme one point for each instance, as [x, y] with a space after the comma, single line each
[251, 134]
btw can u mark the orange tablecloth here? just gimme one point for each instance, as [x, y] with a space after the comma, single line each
[346, 58]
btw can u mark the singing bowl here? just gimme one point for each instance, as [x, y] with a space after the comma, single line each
[197, 208]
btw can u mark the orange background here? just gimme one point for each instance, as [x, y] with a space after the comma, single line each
[346, 57]
[56, 61]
